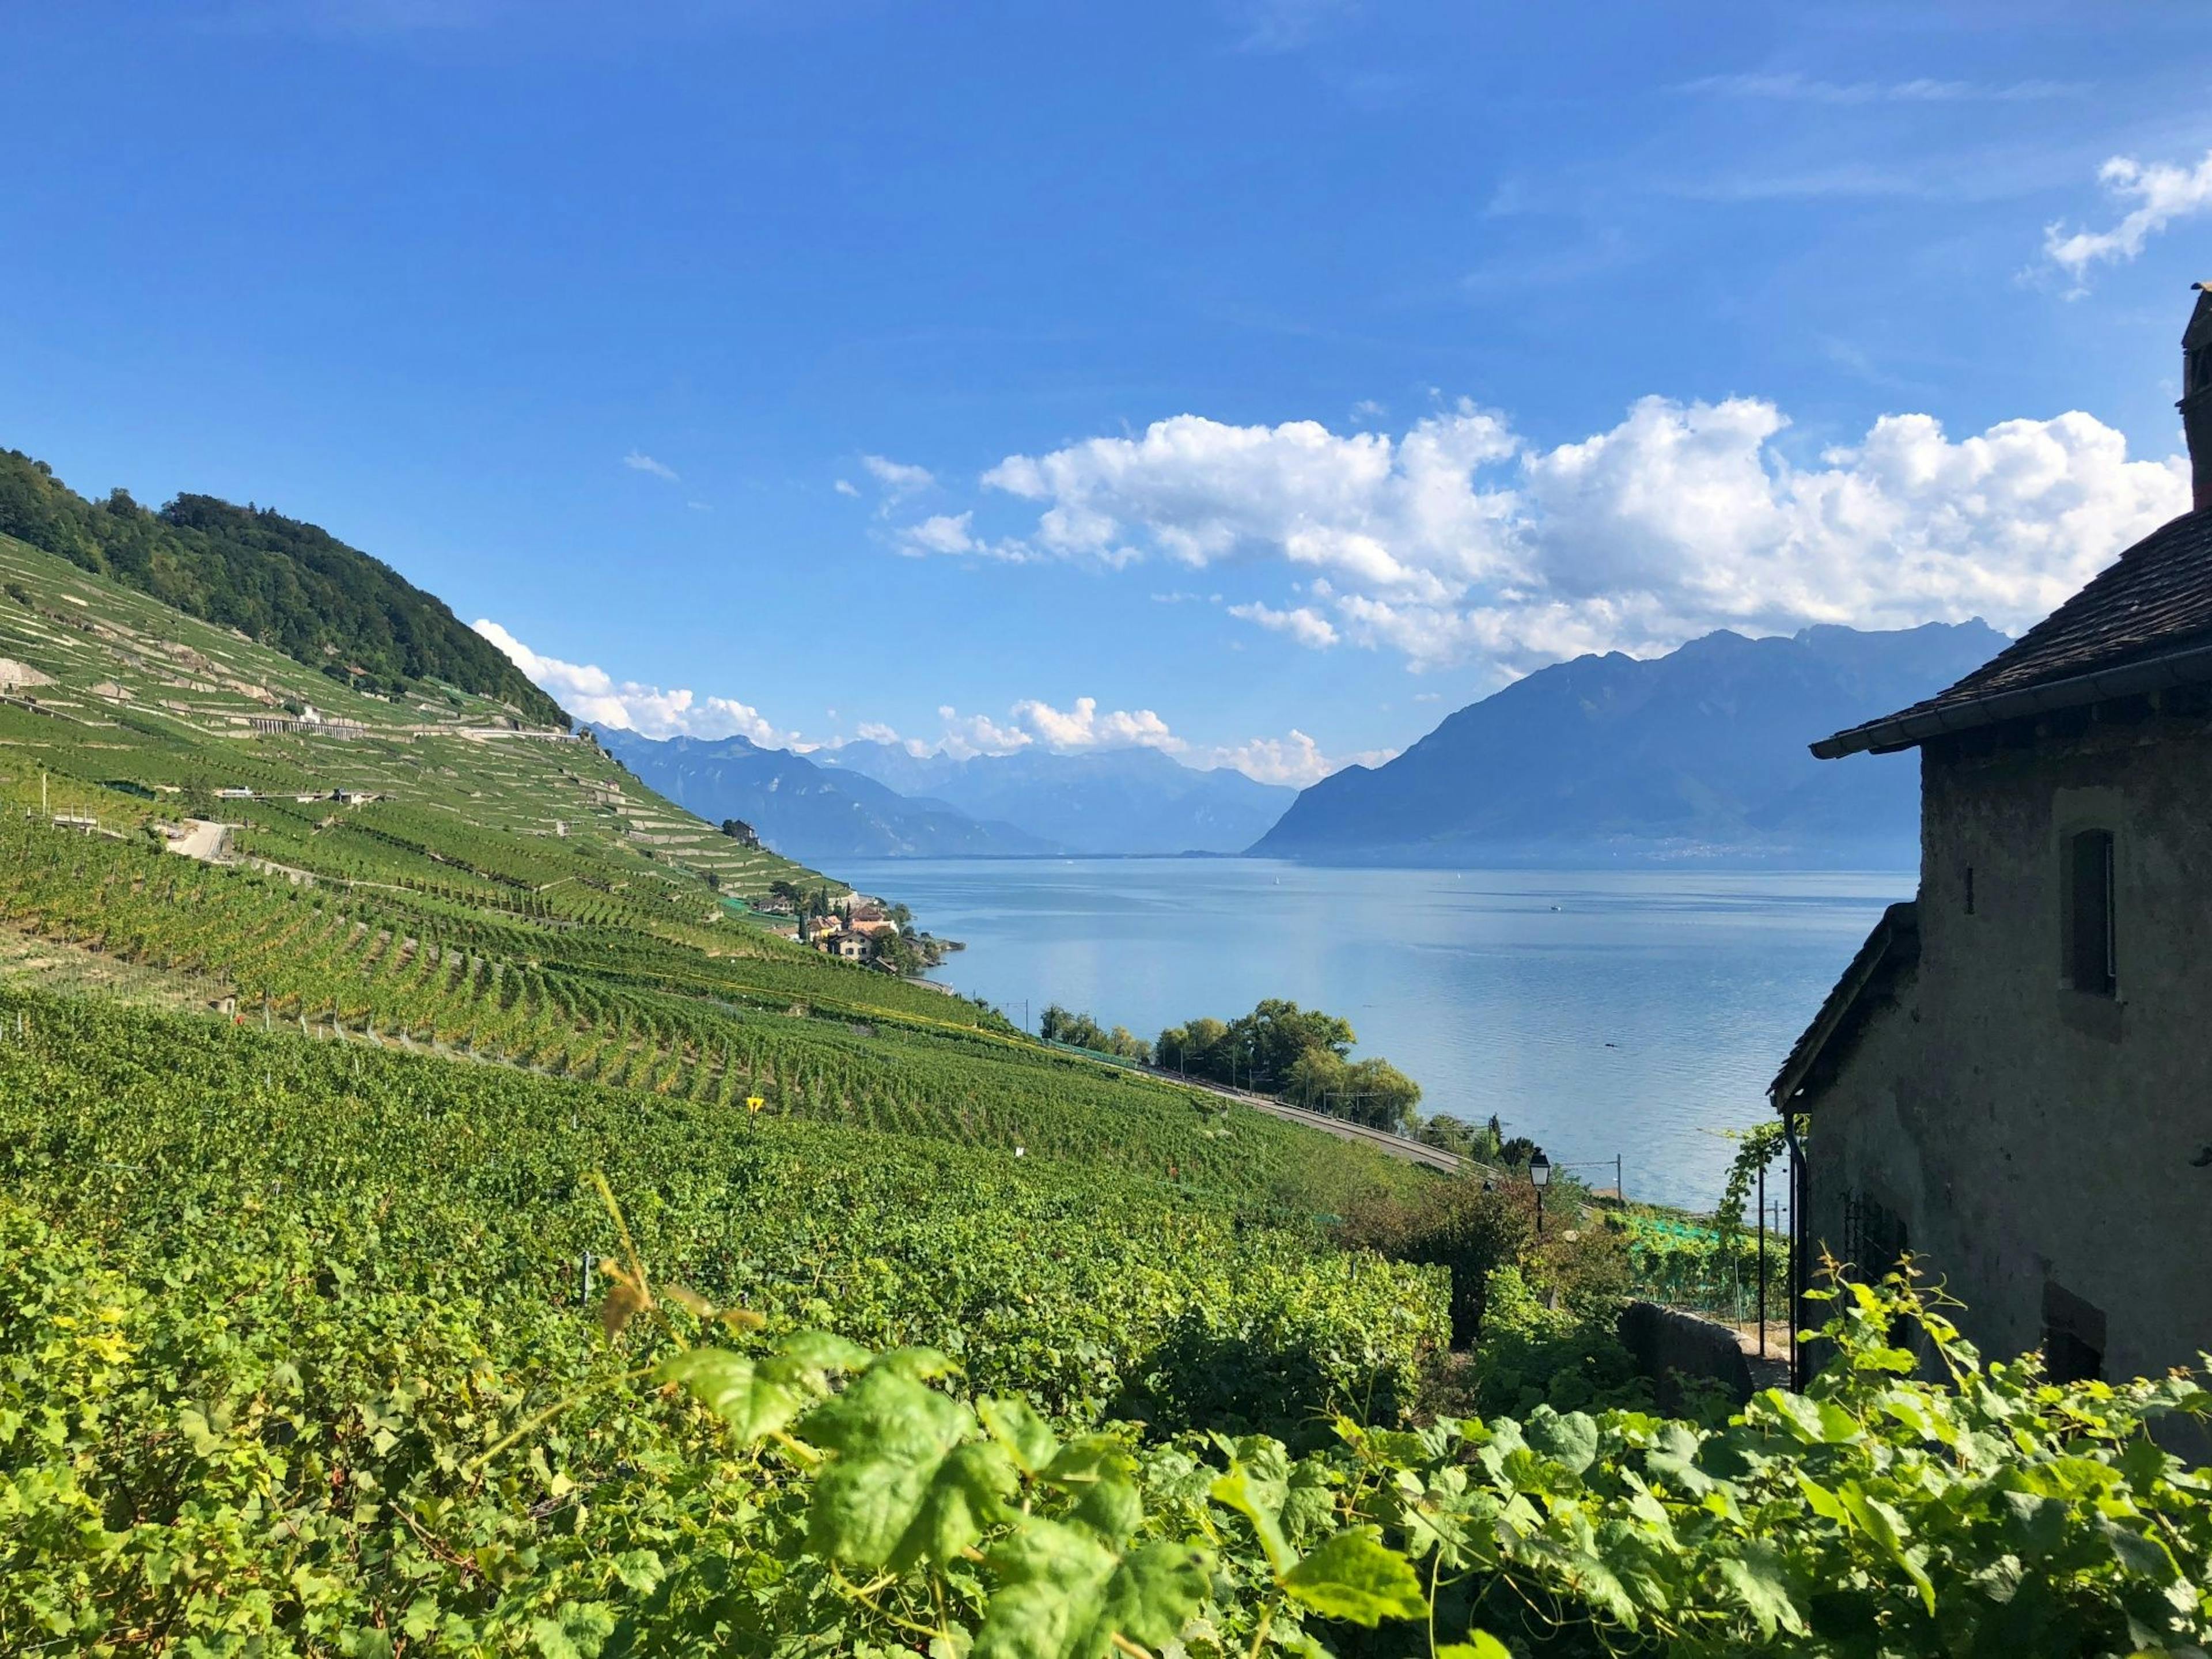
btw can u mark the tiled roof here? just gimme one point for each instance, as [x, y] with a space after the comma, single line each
[2150, 606]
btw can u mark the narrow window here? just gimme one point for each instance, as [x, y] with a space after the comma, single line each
[1970, 890]
[2092, 957]
[2073, 1336]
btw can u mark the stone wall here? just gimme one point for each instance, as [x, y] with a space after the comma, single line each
[2047, 1149]
[1670, 1346]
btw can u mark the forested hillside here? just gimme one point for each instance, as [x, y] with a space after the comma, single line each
[284, 584]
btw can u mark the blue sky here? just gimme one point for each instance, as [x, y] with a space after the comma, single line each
[1257, 379]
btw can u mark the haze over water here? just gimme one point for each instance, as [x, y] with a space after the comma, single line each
[1636, 1012]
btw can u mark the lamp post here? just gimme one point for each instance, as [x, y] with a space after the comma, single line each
[1539, 1177]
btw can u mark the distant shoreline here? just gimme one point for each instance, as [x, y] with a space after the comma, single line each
[1495, 858]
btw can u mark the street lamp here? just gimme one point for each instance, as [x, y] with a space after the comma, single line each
[1539, 1177]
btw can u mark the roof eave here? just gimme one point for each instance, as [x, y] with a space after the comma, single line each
[2189, 666]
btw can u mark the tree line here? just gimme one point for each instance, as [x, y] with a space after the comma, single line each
[1299, 1054]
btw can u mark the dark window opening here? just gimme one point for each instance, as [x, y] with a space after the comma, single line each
[2073, 1336]
[1874, 1237]
[2091, 948]
[1970, 890]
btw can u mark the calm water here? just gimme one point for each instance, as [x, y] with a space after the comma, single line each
[1600, 1012]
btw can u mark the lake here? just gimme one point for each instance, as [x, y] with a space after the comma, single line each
[1641, 1013]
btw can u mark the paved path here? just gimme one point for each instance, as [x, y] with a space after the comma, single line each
[1382, 1140]
[204, 839]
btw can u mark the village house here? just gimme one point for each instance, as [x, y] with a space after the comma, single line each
[2013, 1080]
[854, 946]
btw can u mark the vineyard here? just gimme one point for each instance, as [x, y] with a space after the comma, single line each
[297, 1353]
[445, 1225]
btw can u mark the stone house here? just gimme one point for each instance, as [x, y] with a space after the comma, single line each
[2013, 1080]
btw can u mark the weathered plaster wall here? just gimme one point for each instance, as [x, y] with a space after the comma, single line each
[2031, 1133]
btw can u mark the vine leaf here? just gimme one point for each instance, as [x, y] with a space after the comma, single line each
[1015, 1426]
[1353, 1577]
[759, 1396]
[1258, 1501]
[1479, 1645]
[1063, 1595]
[1755, 1579]
[576, 1630]
[908, 1484]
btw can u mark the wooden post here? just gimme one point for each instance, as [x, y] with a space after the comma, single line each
[1762, 1261]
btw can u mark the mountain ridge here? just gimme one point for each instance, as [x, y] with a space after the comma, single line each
[1105, 802]
[1699, 754]
[792, 803]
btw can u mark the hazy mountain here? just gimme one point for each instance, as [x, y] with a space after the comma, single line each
[803, 811]
[1697, 754]
[1118, 800]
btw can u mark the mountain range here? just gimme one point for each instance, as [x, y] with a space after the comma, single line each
[873, 801]
[790, 802]
[1698, 755]
[1115, 800]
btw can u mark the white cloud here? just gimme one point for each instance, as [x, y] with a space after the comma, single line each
[1302, 623]
[898, 479]
[1296, 760]
[952, 534]
[941, 534]
[846, 487]
[1083, 726]
[1458, 541]
[2160, 192]
[1396, 515]
[638, 461]
[1792, 87]
[597, 698]
[1367, 410]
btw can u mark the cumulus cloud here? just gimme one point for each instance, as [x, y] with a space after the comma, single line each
[846, 487]
[1395, 514]
[1296, 760]
[2159, 192]
[638, 461]
[953, 534]
[1302, 623]
[1460, 541]
[898, 479]
[595, 697]
[1084, 728]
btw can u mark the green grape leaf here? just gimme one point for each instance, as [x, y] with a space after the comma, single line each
[1479, 1645]
[754, 1397]
[576, 1630]
[903, 1487]
[1570, 1440]
[1257, 1501]
[1353, 1576]
[1755, 1580]
[1015, 1424]
[822, 1351]
[1063, 1595]
[1888, 1531]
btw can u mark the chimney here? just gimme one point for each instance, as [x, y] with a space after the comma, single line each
[2196, 404]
